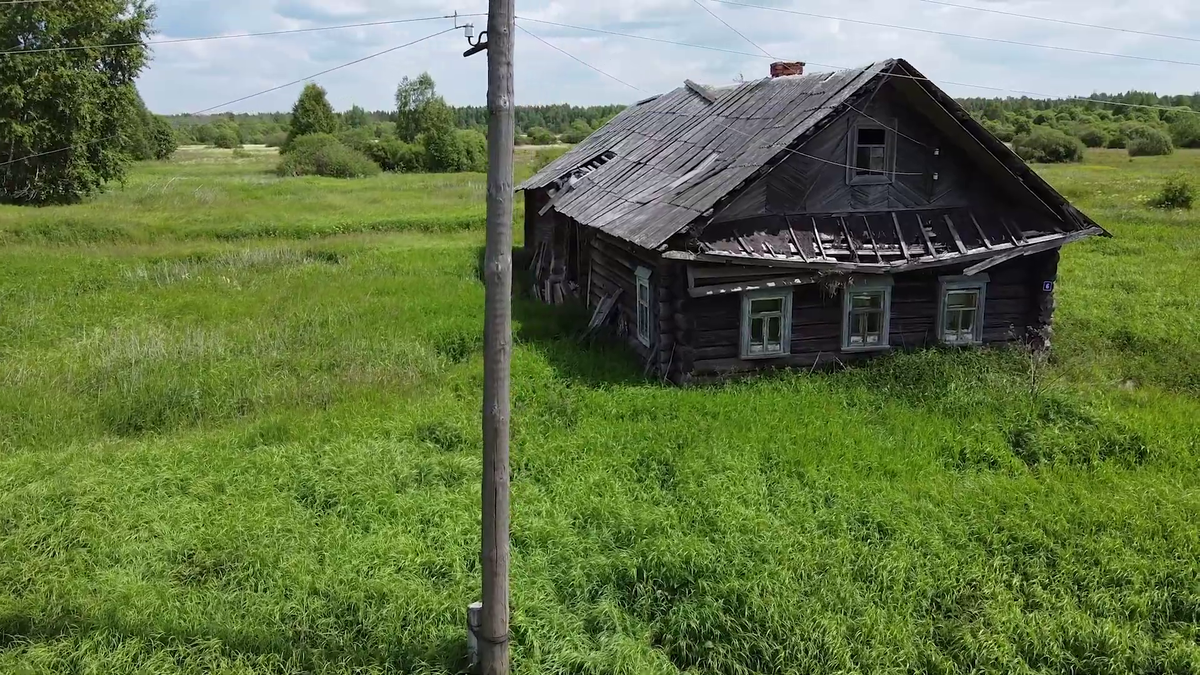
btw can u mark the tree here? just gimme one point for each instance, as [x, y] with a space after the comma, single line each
[412, 97]
[68, 108]
[1185, 131]
[163, 139]
[579, 130]
[356, 118]
[312, 114]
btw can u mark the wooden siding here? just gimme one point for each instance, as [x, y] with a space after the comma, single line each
[801, 184]
[708, 329]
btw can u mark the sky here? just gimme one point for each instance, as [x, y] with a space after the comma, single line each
[187, 77]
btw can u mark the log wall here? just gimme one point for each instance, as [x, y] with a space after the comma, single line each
[709, 328]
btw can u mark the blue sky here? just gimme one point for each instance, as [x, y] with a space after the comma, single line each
[191, 76]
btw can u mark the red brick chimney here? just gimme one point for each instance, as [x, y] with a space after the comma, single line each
[784, 68]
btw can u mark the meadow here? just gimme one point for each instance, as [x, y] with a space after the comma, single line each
[240, 433]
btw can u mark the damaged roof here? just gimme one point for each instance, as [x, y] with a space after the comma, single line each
[665, 162]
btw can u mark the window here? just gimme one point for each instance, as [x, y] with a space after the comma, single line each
[871, 154]
[643, 306]
[961, 309]
[867, 314]
[766, 324]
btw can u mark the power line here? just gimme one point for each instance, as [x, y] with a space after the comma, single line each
[572, 56]
[1062, 21]
[243, 98]
[838, 67]
[726, 23]
[291, 31]
[960, 35]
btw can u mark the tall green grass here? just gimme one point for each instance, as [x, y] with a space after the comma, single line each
[221, 455]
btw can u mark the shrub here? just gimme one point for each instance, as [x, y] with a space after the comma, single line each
[1048, 146]
[1176, 193]
[163, 139]
[1092, 137]
[393, 154]
[474, 149]
[1185, 131]
[542, 136]
[324, 155]
[1153, 142]
[226, 137]
[276, 140]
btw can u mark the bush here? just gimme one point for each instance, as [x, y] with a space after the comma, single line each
[1185, 131]
[393, 154]
[1153, 143]
[542, 136]
[1176, 193]
[324, 155]
[276, 140]
[474, 148]
[226, 137]
[1048, 146]
[1092, 137]
[163, 139]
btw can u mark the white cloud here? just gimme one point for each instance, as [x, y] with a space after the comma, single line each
[196, 75]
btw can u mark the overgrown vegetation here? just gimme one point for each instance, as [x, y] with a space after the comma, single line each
[1048, 146]
[324, 155]
[241, 428]
[1177, 192]
[1150, 143]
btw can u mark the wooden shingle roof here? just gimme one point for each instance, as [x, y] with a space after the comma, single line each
[670, 158]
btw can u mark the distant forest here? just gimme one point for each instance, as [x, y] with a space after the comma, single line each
[537, 125]
[1171, 122]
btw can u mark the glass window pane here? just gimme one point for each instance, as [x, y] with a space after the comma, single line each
[873, 300]
[874, 323]
[756, 331]
[862, 160]
[774, 330]
[872, 136]
[877, 159]
[766, 305]
[966, 321]
[962, 299]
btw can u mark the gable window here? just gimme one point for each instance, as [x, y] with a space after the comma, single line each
[871, 153]
[643, 306]
[867, 314]
[766, 324]
[960, 315]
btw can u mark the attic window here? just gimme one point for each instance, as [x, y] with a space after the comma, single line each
[871, 154]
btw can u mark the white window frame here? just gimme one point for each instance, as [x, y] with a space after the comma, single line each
[748, 299]
[947, 285]
[642, 281]
[889, 154]
[856, 286]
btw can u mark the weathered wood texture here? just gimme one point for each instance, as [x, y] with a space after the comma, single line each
[709, 328]
[1044, 270]
[613, 265]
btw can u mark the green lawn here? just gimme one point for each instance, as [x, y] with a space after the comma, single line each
[239, 433]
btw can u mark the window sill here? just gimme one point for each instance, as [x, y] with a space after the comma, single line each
[872, 348]
[763, 357]
[871, 180]
[972, 343]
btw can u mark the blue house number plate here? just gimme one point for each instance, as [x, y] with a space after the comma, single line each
[1048, 286]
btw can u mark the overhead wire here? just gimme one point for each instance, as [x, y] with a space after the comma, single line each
[1061, 21]
[235, 36]
[1008, 90]
[784, 148]
[730, 27]
[243, 98]
[572, 56]
[929, 31]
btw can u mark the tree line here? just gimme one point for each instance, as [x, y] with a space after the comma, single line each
[1049, 130]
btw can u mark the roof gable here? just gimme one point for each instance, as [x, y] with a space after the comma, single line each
[671, 159]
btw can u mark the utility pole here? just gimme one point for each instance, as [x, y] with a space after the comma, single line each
[497, 338]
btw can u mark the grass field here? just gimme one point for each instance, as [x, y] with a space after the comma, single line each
[239, 433]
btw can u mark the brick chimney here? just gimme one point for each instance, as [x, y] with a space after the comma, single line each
[784, 68]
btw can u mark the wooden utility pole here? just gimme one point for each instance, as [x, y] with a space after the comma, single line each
[497, 338]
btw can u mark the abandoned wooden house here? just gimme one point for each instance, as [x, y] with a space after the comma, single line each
[799, 221]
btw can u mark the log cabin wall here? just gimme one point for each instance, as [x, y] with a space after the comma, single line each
[708, 329]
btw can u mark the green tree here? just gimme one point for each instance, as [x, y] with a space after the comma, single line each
[413, 96]
[163, 139]
[443, 150]
[63, 115]
[312, 114]
[356, 118]
[579, 130]
[1185, 131]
